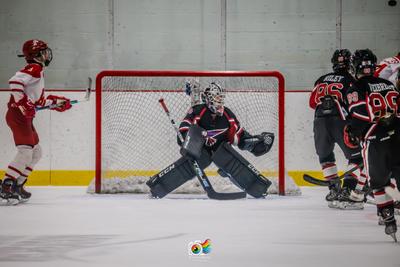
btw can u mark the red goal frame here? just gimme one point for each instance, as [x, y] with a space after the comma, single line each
[176, 73]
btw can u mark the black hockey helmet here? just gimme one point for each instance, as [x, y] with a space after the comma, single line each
[341, 59]
[363, 62]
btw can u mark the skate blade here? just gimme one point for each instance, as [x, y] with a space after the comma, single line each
[23, 200]
[351, 206]
[333, 204]
[9, 202]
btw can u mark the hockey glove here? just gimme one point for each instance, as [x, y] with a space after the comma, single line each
[26, 107]
[258, 145]
[188, 88]
[61, 103]
[192, 86]
[350, 139]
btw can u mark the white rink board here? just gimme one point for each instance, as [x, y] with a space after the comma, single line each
[68, 139]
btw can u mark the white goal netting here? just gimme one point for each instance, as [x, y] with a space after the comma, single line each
[135, 139]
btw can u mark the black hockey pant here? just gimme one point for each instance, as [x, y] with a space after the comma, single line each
[382, 160]
[328, 131]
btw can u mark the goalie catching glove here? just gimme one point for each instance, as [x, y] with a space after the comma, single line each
[258, 145]
[59, 103]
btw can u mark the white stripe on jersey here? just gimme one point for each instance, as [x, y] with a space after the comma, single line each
[389, 69]
[32, 86]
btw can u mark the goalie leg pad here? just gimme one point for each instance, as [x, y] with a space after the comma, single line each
[175, 175]
[241, 171]
[171, 178]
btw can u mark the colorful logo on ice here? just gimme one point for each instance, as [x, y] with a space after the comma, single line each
[198, 248]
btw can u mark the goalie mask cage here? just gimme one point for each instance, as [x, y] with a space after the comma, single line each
[135, 139]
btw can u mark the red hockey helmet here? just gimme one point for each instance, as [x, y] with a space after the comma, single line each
[38, 51]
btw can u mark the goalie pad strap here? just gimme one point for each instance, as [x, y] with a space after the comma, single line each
[175, 175]
[240, 171]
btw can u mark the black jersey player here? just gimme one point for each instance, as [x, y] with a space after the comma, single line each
[374, 108]
[328, 101]
[219, 129]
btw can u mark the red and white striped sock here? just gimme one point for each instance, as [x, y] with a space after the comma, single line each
[25, 174]
[329, 170]
[13, 172]
[381, 198]
[361, 181]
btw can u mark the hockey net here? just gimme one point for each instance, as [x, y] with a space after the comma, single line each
[135, 139]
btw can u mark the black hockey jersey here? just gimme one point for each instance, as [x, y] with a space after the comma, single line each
[225, 128]
[374, 107]
[328, 95]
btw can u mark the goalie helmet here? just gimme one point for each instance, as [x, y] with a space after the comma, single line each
[214, 96]
[363, 63]
[37, 51]
[341, 59]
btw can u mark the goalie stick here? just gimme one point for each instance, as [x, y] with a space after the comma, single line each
[201, 176]
[85, 99]
[316, 181]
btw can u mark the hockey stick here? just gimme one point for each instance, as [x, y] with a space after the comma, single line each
[72, 102]
[316, 181]
[201, 176]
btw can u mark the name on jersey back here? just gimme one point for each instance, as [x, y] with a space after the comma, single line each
[333, 78]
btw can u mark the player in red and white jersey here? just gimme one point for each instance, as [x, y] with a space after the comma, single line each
[389, 69]
[27, 93]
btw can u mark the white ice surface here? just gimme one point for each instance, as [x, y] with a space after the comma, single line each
[64, 226]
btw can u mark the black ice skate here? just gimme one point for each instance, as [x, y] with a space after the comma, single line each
[334, 190]
[347, 202]
[390, 222]
[380, 219]
[24, 195]
[8, 193]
